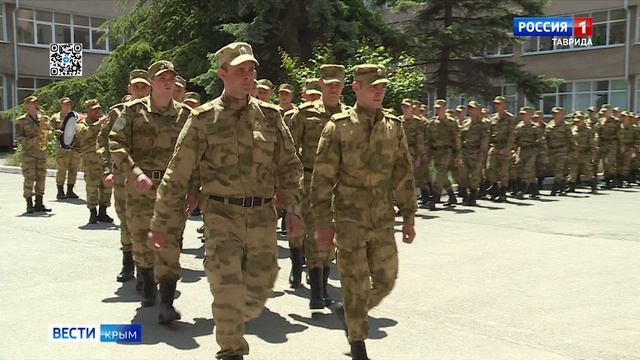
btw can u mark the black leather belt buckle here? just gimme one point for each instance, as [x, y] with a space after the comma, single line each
[156, 175]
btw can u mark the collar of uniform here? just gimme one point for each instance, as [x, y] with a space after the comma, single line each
[370, 115]
[171, 110]
[230, 103]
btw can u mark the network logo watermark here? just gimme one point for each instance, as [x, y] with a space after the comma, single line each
[118, 333]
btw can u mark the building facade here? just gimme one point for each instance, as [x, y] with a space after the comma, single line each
[27, 27]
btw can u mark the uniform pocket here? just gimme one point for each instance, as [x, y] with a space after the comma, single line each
[264, 142]
[223, 150]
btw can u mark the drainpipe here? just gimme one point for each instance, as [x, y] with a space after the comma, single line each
[15, 69]
[627, 46]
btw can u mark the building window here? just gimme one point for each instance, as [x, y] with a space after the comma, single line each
[638, 96]
[579, 95]
[609, 28]
[3, 86]
[28, 85]
[3, 24]
[42, 27]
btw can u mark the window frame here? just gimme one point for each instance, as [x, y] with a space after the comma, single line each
[3, 23]
[593, 93]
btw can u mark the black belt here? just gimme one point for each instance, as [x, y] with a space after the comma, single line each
[248, 202]
[557, 147]
[308, 169]
[441, 147]
[154, 174]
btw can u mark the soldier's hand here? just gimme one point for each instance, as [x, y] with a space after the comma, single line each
[192, 203]
[103, 120]
[156, 240]
[324, 239]
[295, 227]
[58, 132]
[408, 233]
[108, 180]
[142, 183]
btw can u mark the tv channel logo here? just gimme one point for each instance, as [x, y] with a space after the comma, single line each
[118, 333]
[552, 26]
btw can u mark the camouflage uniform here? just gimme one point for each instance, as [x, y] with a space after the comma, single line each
[34, 159]
[241, 153]
[87, 134]
[362, 165]
[583, 154]
[541, 160]
[415, 138]
[474, 137]
[607, 145]
[559, 143]
[628, 141]
[67, 160]
[529, 140]
[499, 158]
[442, 144]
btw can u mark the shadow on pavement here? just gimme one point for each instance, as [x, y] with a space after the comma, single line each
[179, 334]
[198, 253]
[38, 214]
[190, 275]
[125, 293]
[99, 226]
[330, 321]
[272, 327]
[456, 210]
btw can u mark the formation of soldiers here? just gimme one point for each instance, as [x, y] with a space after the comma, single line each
[336, 172]
[492, 155]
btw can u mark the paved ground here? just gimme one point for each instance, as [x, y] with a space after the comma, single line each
[551, 279]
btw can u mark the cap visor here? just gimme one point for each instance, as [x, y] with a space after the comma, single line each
[381, 81]
[163, 71]
[312, 92]
[95, 107]
[242, 58]
[332, 80]
[139, 80]
[285, 90]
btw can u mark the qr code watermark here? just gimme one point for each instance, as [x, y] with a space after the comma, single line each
[65, 59]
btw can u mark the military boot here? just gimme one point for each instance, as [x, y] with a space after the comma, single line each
[554, 189]
[572, 187]
[435, 198]
[522, 189]
[452, 200]
[533, 189]
[358, 350]
[126, 273]
[61, 195]
[138, 280]
[70, 193]
[562, 188]
[30, 209]
[233, 357]
[315, 279]
[540, 182]
[149, 288]
[513, 185]
[462, 191]
[473, 194]
[167, 312]
[102, 215]
[494, 191]
[503, 194]
[328, 301]
[594, 186]
[295, 276]
[93, 217]
[39, 206]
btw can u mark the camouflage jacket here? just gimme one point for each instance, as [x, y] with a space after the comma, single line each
[28, 129]
[558, 136]
[102, 142]
[442, 134]
[583, 139]
[529, 136]
[307, 123]
[143, 137]
[235, 148]
[86, 135]
[607, 131]
[362, 166]
[415, 136]
[502, 131]
[474, 136]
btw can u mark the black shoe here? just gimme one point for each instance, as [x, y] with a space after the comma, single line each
[503, 194]
[540, 182]
[594, 186]
[61, 195]
[315, 278]
[295, 276]
[571, 188]
[200, 230]
[30, 209]
[167, 312]
[93, 217]
[328, 301]
[514, 185]
[533, 190]
[473, 195]
[562, 188]
[70, 193]
[126, 273]
[495, 192]
[233, 357]
[462, 191]
[522, 189]
[138, 281]
[102, 215]
[358, 350]
[452, 200]
[554, 189]
[38, 206]
[149, 288]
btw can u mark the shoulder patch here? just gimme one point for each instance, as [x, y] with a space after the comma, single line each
[305, 105]
[267, 105]
[117, 106]
[341, 116]
[392, 117]
[119, 124]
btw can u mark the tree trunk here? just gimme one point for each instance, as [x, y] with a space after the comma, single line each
[445, 53]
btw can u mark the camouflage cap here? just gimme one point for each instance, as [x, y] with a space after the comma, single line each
[449, 112]
[538, 113]
[579, 115]
[616, 109]
[312, 86]
[138, 76]
[191, 96]
[265, 84]
[472, 104]
[65, 100]
[371, 74]
[180, 81]
[331, 73]
[499, 99]
[30, 99]
[440, 103]
[605, 106]
[407, 102]
[460, 108]
[624, 113]
[416, 103]
[423, 107]
[525, 109]
[125, 98]
[91, 104]
[484, 111]
[235, 54]
[286, 88]
[160, 67]
[592, 109]
[557, 109]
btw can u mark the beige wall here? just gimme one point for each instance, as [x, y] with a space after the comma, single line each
[560, 7]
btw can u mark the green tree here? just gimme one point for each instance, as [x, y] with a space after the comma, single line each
[406, 79]
[451, 38]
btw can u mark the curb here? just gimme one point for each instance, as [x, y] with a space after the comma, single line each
[17, 170]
